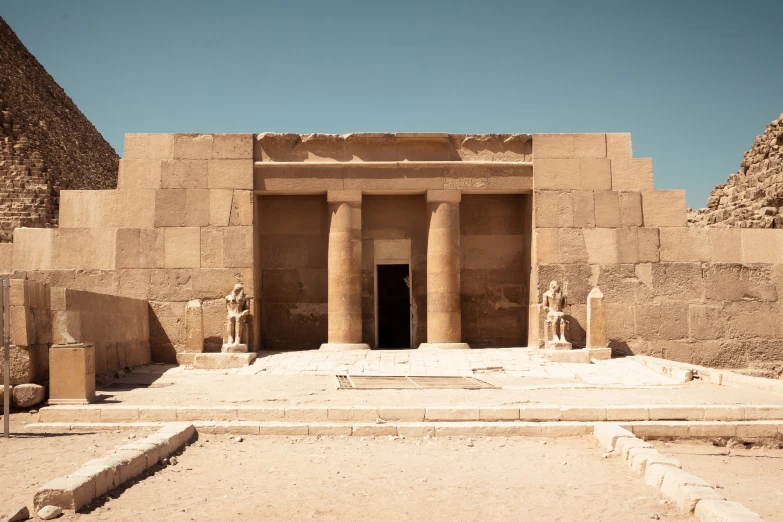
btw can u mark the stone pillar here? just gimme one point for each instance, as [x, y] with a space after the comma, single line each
[345, 271]
[194, 327]
[444, 321]
[596, 319]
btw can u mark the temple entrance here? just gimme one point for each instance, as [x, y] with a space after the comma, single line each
[394, 306]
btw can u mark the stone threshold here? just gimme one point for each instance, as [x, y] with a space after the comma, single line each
[298, 414]
[651, 429]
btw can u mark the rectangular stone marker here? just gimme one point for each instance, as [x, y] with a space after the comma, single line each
[71, 374]
[596, 319]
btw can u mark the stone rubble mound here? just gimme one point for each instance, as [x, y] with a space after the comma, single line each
[753, 196]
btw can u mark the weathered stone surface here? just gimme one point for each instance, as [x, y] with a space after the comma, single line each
[18, 513]
[49, 512]
[28, 395]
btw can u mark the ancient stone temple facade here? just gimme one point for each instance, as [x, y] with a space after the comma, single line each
[410, 240]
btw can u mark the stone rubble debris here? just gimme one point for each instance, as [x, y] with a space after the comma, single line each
[18, 513]
[49, 512]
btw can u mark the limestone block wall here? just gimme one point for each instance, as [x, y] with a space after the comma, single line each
[293, 241]
[495, 268]
[707, 296]
[117, 326]
[31, 331]
[179, 227]
[41, 316]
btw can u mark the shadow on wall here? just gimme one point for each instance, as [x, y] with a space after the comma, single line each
[162, 348]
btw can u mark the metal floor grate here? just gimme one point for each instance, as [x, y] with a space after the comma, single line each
[372, 382]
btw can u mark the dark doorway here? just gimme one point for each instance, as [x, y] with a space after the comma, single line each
[394, 307]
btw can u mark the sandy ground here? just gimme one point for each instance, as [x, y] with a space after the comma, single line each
[753, 477]
[218, 478]
[28, 460]
[165, 386]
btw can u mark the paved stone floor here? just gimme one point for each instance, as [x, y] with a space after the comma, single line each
[513, 362]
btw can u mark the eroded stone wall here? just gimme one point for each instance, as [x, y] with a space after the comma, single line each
[118, 327]
[46, 143]
[495, 269]
[693, 294]
[293, 235]
[753, 196]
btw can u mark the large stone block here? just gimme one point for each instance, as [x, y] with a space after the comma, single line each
[33, 248]
[193, 146]
[662, 321]
[553, 146]
[725, 245]
[197, 207]
[631, 209]
[553, 209]
[138, 174]
[572, 174]
[242, 208]
[735, 282]
[637, 245]
[601, 245]
[232, 146]
[607, 209]
[128, 248]
[618, 145]
[632, 174]
[212, 248]
[183, 174]
[677, 281]
[664, 208]
[584, 208]
[220, 205]
[230, 174]
[684, 244]
[182, 247]
[84, 249]
[762, 245]
[170, 207]
[592, 145]
[148, 146]
[238, 247]
[705, 322]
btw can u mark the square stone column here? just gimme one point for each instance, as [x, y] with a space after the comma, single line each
[345, 272]
[444, 313]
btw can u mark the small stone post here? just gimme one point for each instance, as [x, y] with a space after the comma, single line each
[596, 319]
[194, 327]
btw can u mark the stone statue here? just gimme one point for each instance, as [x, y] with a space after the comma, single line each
[553, 303]
[236, 315]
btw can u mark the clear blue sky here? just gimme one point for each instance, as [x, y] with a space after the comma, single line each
[694, 81]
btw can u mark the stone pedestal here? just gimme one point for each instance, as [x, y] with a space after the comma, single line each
[345, 272]
[234, 348]
[71, 374]
[222, 361]
[444, 320]
[558, 345]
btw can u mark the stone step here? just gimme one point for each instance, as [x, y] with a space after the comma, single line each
[652, 429]
[326, 413]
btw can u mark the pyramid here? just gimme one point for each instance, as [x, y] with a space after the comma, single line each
[753, 196]
[46, 143]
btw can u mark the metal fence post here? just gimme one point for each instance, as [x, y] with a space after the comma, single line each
[5, 331]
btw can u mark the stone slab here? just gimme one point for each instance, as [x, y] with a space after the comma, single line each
[222, 361]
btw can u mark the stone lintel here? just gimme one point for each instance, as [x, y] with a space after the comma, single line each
[344, 196]
[444, 196]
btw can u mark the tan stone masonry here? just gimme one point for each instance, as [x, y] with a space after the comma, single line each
[194, 213]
